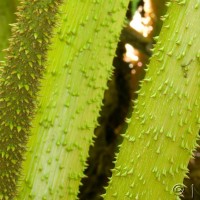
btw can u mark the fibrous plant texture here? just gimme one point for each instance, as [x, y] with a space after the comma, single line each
[163, 129]
[19, 85]
[74, 73]
[52, 83]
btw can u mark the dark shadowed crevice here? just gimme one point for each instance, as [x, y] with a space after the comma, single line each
[192, 183]
[117, 106]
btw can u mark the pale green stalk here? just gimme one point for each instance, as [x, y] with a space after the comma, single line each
[78, 67]
[163, 129]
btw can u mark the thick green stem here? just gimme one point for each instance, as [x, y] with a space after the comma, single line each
[19, 85]
[162, 132]
[78, 67]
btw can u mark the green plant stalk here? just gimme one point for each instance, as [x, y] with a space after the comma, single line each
[7, 9]
[78, 67]
[19, 84]
[164, 127]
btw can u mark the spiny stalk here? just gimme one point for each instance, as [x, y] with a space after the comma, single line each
[163, 130]
[19, 85]
[79, 64]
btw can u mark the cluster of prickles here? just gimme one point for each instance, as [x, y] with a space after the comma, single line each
[19, 84]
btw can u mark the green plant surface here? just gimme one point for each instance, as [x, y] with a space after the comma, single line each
[79, 64]
[7, 9]
[163, 129]
[20, 76]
